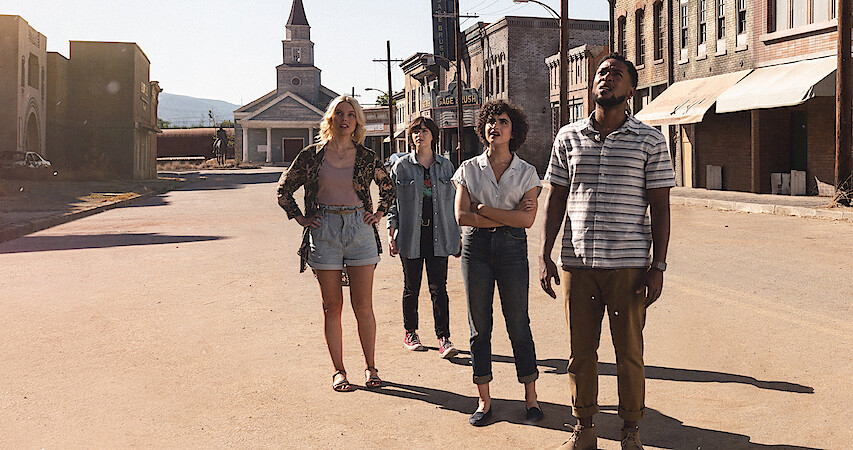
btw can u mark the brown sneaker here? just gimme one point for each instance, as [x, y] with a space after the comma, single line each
[631, 439]
[582, 438]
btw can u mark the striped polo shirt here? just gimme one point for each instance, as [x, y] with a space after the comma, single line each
[607, 225]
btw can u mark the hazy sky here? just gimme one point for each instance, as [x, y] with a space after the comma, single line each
[228, 50]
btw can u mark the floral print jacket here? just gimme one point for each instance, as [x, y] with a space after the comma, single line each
[305, 171]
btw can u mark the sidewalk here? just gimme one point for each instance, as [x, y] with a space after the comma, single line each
[27, 206]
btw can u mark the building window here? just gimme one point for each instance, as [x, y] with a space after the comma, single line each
[659, 32]
[297, 55]
[622, 39]
[33, 71]
[23, 71]
[640, 38]
[787, 14]
[721, 19]
[684, 28]
[703, 30]
[741, 16]
[295, 81]
[503, 78]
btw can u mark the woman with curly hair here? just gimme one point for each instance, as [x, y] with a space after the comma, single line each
[340, 225]
[496, 200]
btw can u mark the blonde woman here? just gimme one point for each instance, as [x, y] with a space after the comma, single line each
[340, 225]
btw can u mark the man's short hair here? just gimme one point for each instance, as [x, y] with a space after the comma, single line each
[516, 116]
[632, 71]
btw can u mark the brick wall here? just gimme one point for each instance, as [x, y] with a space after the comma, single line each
[724, 140]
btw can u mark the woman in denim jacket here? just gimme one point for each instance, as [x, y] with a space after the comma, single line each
[496, 199]
[422, 229]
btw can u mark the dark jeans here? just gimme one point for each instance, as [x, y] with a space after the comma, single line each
[498, 256]
[436, 269]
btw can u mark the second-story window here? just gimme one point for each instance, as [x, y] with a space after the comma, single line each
[741, 16]
[703, 28]
[640, 38]
[622, 39]
[659, 30]
[684, 28]
[721, 19]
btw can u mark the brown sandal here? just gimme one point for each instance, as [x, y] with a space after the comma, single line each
[342, 385]
[372, 381]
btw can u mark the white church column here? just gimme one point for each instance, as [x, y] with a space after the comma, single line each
[245, 132]
[310, 136]
[269, 144]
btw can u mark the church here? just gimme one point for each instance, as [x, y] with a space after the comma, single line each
[273, 128]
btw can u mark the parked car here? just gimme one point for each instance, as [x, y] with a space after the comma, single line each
[393, 158]
[24, 164]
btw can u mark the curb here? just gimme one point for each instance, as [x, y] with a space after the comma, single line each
[29, 227]
[758, 208]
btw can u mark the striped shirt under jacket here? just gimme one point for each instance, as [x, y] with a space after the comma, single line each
[607, 225]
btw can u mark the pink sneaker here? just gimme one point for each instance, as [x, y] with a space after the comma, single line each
[446, 349]
[411, 341]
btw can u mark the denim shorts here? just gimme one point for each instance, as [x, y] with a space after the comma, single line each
[342, 239]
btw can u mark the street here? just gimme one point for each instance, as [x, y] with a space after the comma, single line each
[182, 321]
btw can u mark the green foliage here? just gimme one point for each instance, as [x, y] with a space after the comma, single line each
[163, 123]
[382, 100]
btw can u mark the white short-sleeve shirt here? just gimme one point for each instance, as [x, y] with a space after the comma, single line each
[477, 176]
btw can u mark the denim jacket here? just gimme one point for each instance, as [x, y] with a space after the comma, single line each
[406, 211]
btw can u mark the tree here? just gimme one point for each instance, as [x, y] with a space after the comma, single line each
[382, 100]
[226, 124]
[163, 123]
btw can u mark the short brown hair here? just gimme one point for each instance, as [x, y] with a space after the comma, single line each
[431, 126]
[516, 117]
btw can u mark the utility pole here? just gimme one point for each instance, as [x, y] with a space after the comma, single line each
[564, 62]
[390, 94]
[843, 106]
[460, 141]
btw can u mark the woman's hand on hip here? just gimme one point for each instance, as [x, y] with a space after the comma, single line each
[309, 222]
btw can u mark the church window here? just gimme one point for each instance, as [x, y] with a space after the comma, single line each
[297, 55]
[295, 81]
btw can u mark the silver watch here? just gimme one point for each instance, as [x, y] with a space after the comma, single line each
[659, 266]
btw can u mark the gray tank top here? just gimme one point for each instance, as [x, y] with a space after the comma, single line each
[335, 186]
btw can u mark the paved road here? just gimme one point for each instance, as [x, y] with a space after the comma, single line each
[183, 322]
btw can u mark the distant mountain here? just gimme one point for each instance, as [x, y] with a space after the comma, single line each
[185, 111]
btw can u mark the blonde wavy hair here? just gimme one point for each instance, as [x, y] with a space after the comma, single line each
[326, 123]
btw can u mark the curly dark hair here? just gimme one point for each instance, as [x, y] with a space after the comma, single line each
[516, 117]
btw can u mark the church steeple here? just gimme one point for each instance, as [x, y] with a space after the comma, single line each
[297, 24]
[297, 14]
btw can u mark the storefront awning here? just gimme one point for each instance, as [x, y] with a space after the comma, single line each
[783, 85]
[688, 101]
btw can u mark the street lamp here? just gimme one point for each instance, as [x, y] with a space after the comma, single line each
[563, 20]
[390, 118]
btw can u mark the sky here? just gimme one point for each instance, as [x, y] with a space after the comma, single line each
[228, 50]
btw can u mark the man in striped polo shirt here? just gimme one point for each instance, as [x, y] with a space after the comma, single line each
[605, 171]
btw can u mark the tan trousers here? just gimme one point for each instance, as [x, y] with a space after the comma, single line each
[587, 293]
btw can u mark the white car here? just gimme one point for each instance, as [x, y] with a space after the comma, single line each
[25, 163]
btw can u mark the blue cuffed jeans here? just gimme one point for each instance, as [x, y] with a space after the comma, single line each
[499, 256]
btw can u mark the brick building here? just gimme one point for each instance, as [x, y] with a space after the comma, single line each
[496, 64]
[751, 89]
[23, 92]
[583, 62]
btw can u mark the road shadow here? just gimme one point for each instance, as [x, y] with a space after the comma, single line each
[658, 429]
[209, 181]
[29, 244]
[560, 367]
[157, 200]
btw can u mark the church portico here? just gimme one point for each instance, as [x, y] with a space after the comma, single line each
[273, 128]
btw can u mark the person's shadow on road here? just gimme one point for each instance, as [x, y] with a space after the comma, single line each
[659, 430]
[560, 367]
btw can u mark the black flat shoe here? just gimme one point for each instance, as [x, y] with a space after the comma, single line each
[534, 414]
[479, 418]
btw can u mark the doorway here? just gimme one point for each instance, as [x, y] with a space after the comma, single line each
[686, 157]
[291, 148]
[33, 143]
[799, 140]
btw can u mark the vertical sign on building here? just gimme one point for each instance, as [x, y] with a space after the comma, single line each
[443, 43]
